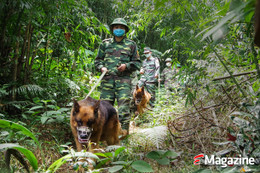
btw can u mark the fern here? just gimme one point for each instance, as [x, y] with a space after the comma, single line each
[153, 137]
[3, 91]
[72, 85]
[28, 90]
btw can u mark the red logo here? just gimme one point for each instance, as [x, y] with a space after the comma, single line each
[197, 160]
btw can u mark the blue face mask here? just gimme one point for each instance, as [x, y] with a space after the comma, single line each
[118, 32]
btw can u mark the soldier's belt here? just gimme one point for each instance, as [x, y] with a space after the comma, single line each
[113, 74]
[115, 77]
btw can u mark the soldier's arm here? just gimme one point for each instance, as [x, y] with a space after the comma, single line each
[162, 76]
[135, 62]
[142, 67]
[157, 67]
[99, 61]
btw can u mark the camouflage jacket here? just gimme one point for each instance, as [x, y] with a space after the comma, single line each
[112, 54]
[150, 68]
[168, 76]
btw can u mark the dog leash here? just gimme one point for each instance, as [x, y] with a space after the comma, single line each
[100, 78]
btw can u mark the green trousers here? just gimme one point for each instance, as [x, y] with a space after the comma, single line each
[118, 88]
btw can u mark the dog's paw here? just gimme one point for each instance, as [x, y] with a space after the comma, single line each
[98, 150]
[122, 134]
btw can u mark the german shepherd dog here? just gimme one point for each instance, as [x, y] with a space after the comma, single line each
[141, 99]
[94, 120]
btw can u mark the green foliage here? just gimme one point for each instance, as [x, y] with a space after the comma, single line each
[247, 139]
[47, 52]
[27, 153]
[237, 10]
[5, 124]
[245, 142]
[141, 166]
[117, 159]
[49, 111]
[14, 126]
[75, 159]
[116, 152]
[162, 157]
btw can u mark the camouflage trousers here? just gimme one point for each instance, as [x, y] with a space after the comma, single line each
[150, 87]
[118, 88]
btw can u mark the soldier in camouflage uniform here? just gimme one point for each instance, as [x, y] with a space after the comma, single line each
[119, 57]
[149, 73]
[168, 75]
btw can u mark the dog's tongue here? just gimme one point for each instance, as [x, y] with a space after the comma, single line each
[83, 141]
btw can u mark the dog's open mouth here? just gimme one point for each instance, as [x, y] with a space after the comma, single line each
[84, 134]
[137, 102]
[82, 141]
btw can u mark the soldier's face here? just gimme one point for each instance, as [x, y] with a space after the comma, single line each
[147, 55]
[118, 27]
[168, 64]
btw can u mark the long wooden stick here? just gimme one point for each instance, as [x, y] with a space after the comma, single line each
[100, 78]
[235, 75]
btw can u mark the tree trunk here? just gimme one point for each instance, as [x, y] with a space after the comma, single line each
[16, 57]
[26, 68]
[21, 58]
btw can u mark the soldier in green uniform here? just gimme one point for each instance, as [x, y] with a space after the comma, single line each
[149, 73]
[168, 75]
[119, 57]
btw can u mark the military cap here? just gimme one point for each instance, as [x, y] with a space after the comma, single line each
[168, 60]
[147, 49]
[119, 21]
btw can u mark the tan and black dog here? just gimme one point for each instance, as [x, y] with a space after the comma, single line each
[141, 99]
[94, 120]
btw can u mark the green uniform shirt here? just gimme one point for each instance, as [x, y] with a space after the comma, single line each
[150, 68]
[168, 77]
[112, 54]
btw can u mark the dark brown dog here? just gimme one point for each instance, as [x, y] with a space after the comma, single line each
[94, 120]
[141, 98]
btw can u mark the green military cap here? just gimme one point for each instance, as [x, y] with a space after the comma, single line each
[168, 60]
[147, 49]
[119, 21]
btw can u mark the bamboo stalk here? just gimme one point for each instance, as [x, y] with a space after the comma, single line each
[255, 60]
[17, 45]
[235, 75]
[230, 73]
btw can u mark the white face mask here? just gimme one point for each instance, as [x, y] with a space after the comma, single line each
[168, 64]
[147, 55]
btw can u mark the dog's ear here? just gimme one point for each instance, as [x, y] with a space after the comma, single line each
[96, 107]
[142, 89]
[136, 87]
[76, 106]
